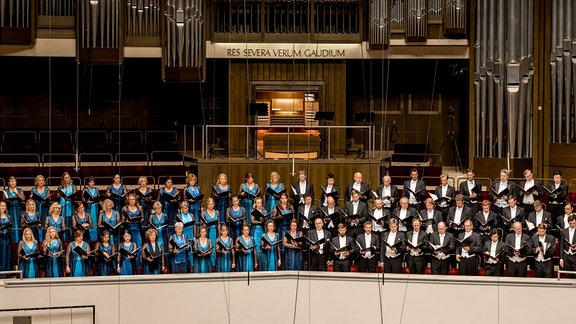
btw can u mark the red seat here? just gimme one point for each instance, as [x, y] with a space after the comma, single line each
[453, 271]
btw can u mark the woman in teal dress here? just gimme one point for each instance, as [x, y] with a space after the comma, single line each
[15, 197]
[41, 196]
[283, 214]
[191, 194]
[235, 217]
[247, 259]
[277, 187]
[108, 220]
[77, 263]
[31, 219]
[152, 254]
[56, 220]
[82, 221]
[117, 191]
[202, 250]
[144, 196]
[168, 196]
[133, 215]
[258, 224]
[159, 221]
[5, 240]
[221, 193]
[211, 220]
[53, 251]
[126, 255]
[105, 256]
[179, 248]
[270, 246]
[66, 195]
[247, 193]
[293, 259]
[187, 219]
[28, 253]
[224, 251]
[90, 199]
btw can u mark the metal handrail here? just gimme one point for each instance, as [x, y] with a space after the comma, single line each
[566, 272]
[12, 272]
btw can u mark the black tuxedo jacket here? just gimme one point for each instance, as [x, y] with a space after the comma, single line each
[411, 213]
[564, 246]
[560, 221]
[422, 236]
[550, 240]
[496, 185]
[434, 238]
[466, 214]
[499, 249]
[324, 211]
[313, 236]
[352, 248]
[436, 218]
[312, 214]
[393, 193]
[362, 211]
[511, 241]
[463, 190]
[420, 185]
[546, 218]
[450, 192]
[520, 191]
[507, 213]
[475, 247]
[364, 187]
[298, 194]
[492, 221]
[336, 196]
[360, 240]
[561, 196]
[400, 237]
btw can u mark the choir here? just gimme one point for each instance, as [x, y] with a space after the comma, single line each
[173, 230]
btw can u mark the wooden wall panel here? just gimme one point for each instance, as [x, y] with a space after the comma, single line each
[332, 74]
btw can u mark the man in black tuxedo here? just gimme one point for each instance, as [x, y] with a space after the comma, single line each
[471, 190]
[300, 188]
[500, 190]
[369, 246]
[543, 248]
[537, 217]
[389, 193]
[467, 254]
[445, 194]
[415, 186]
[443, 243]
[379, 215]
[557, 195]
[357, 212]
[457, 215]
[392, 248]
[529, 190]
[334, 211]
[306, 214]
[511, 214]
[361, 187]
[567, 246]
[562, 220]
[318, 251]
[430, 216]
[494, 254]
[416, 259]
[518, 247]
[484, 221]
[404, 214]
[331, 188]
[341, 258]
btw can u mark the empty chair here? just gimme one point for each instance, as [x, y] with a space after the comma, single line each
[55, 142]
[127, 141]
[161, 140]
[19, 142]
[93, 141]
